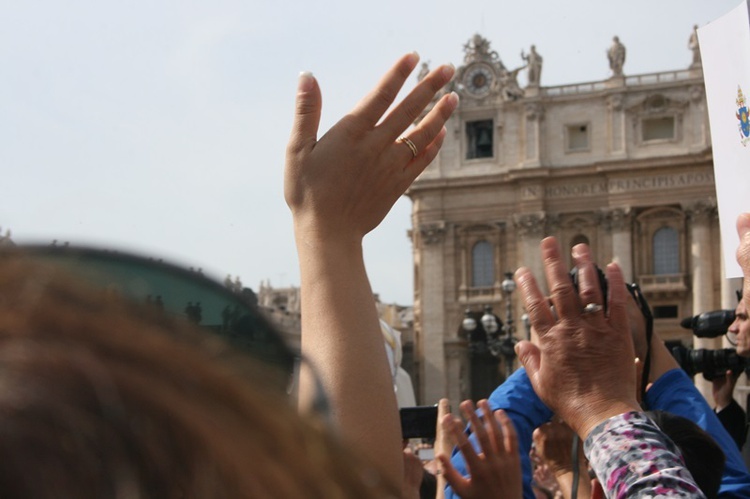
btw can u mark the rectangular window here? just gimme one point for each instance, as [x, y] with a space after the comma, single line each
[577, 137]
[658, 128]
[665, 312]
[479, 139]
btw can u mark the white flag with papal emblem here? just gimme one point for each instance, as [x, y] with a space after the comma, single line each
[725, 54]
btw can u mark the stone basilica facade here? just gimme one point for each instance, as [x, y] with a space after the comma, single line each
[624, 164]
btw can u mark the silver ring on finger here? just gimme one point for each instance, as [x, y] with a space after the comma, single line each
[592, 308]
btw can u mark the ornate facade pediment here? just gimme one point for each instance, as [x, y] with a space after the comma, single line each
[657, 104]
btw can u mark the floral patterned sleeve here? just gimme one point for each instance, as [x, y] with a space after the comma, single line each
[633, 458]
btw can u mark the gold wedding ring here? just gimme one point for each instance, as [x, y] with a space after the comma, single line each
[405, 140]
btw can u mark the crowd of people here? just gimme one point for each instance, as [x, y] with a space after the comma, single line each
[99, 401]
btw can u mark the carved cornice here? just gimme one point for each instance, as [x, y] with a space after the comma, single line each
[616, 102]
[530, 224]
[657, 104]
[617, 219]
[696, 93]
[432, 233]
[701, 211]
[534, 111]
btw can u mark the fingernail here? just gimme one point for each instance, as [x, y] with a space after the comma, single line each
[448, 70]
[413, 58]
[306, 81]
[454, 98]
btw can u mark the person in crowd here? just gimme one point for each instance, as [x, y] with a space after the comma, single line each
[702, 455]
[673, 391]
[729, 412]
[741, 327]
[582, 368]
[102, 398]
[543, 481]
[553, 443]
[585, 360]
[339, 187]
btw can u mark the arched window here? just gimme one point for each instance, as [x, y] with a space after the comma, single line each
[482, 265]
[666, 251]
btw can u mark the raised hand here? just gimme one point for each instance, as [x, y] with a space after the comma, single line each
[340, 187]
[344, 184]
[582, 367]
[496, 470]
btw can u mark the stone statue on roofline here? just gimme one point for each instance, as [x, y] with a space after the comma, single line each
[694, 46]
[424, 70]
[616, 56]
[533, 66]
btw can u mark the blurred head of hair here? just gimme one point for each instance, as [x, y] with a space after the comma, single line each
[104, 398]
[703, 457]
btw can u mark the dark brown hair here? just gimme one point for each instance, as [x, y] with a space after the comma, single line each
[703, 457]
[101, 398]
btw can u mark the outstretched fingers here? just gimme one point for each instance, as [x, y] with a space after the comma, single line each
[409, 109]
[510, 438]
[372, 107]
[425, 133]
[562, 293]
[534, 301]
[453, 427]
[618, 296]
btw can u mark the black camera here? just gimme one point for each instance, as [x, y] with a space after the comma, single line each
[709, 324]
[419, 422]
[712, 363]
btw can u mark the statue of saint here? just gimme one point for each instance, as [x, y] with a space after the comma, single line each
[695, 47]
[423, 71]
[533, 66]
[616, 56]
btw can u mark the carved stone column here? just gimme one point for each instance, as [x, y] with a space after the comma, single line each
[616, 124]
[432, 313]
[532, 138]
[700, 215]
[697, 121]
[620, 222]
[530, 230]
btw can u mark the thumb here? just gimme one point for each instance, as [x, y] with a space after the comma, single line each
[743, 251]
[528, 354]
[306, 114]
[743, 224]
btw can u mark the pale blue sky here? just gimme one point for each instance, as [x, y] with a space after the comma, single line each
[160, 126]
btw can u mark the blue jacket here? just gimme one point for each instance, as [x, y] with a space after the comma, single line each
[673, 392]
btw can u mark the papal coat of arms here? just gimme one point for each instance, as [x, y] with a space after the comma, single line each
[744, 125]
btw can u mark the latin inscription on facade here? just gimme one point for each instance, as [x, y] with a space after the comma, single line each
[622, 185]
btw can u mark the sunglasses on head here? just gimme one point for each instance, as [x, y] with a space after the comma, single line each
[175, 291]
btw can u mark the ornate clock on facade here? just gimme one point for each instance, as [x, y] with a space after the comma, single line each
[478, 79]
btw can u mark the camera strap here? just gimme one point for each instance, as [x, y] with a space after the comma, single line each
[647, 361]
